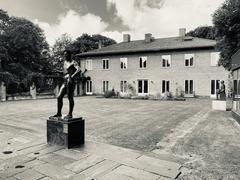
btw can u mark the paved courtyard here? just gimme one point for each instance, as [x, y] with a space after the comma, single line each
[201, 143]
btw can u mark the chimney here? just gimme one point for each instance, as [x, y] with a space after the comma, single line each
[126, 38]
[99, 44]
[148, 37]
[182, 32]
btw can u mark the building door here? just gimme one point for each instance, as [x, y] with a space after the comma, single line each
[143, 87]
[89, 87]
[189, 86]
[215, 85]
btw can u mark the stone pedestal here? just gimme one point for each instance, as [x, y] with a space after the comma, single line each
[67, 133]
[3, 93]
[235, 105]
[75, 90]
[56, 90]
[219, 105]
[33, 91]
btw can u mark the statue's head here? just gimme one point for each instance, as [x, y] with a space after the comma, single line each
[68, 55]
[222, 82]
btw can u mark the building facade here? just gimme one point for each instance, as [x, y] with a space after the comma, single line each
[180, 66]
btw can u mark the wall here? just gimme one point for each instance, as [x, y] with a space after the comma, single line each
[202, 72]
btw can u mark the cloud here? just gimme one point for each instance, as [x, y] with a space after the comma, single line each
[148, 3]
[73, 24]
[163, 18]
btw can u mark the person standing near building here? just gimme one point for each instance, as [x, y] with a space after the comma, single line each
[222, 91]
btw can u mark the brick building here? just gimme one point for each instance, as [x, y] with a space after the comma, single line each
[180, 65]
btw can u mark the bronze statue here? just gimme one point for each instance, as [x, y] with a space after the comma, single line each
[221, 92]
[70, 70]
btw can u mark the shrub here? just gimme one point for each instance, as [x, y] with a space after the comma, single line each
[109, 94]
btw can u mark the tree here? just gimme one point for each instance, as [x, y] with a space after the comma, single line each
[21, 47]
[4, 21]
[61, 44]
[226, 20]
[207, 32]
[86, 43]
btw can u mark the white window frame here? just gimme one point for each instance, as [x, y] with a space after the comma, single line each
[143, 59]
[215, 89]
[215, 56]
[142, 93]
[106, 66]
[187, 57]
[105, 86]
[166, 58]
[123, 63]
[165, 88]
[123, 86]
[89, 87]
[89, 64]
[193, 90]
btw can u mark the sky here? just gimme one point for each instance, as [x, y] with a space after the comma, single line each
[113, 18]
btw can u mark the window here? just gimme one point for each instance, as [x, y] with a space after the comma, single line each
[105, 86]
[165, 86]
[123, 63]
[89, 87]
[189, 58]
[166, 61]
[215, 56]
[235, 87]
[105, 63]
[215, 84]
[89, 64]
[142, 86]
[123, 86]
[188, 86]
[143, 62]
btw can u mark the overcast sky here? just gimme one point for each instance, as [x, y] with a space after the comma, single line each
[113, 18]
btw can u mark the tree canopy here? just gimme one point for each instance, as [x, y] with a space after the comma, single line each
[61, 44]
[82, 44]
[21, 47]
[86, 43]
[207, 32]
[226, 20]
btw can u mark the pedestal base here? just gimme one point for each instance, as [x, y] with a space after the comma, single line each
[68, 133]
[219, 105]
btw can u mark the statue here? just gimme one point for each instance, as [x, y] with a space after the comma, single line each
[70, 70]
[221, 92]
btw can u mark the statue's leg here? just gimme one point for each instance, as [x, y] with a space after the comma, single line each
[60, 96]
[70, 91]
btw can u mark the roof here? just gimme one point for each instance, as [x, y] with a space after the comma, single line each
[156, 45]
[236, 58]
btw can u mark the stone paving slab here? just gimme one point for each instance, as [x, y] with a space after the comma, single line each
[56, 159]
[85, 163]
[10, 178]
[29, 175]
[53, 171]
[48, 149]
[107, 149]
[166, 168]
[135, 173]
[115, 176]
[71, 153]
[96, 171]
